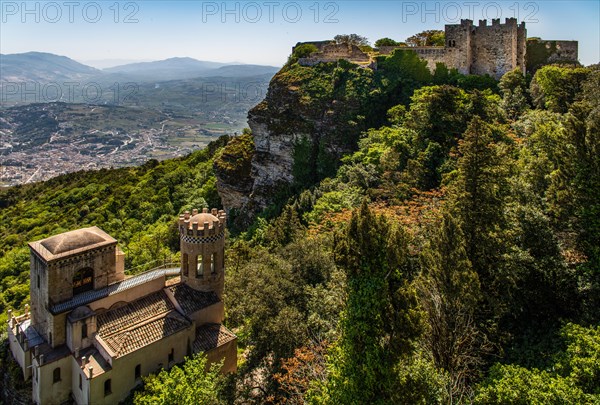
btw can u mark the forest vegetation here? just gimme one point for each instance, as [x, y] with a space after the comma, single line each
[452, 257]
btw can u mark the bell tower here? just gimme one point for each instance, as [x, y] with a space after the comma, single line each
[202, 236]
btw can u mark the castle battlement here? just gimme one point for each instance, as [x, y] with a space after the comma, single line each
[492, 49]
[202, 225]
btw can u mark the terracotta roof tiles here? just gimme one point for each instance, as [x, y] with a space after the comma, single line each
[192, 300]
[210, 336]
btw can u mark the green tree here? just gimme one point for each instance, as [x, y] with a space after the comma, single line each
[449, 291]
[427, 38]
[192, 383]
[556, 87]
[479, 190]
[386, 42]
[514, 93]
[381, 320]
[573, 379]
[351, 39]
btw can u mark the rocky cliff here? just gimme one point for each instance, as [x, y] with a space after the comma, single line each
[309, 118]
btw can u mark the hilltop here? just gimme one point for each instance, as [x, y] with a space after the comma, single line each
[397, 235]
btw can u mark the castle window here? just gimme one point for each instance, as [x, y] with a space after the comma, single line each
[200, 267]
[213, 267]
[107, 387]
[186, 264]
[80, 384]
[83, 280]
[50, 338]
[56, 375]
[138, 371]
[172, 355]
[38, 281]
[84, 330]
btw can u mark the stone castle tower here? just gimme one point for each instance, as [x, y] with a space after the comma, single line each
[203, 250]
[486, 49]
[92, 333]
[483, 49]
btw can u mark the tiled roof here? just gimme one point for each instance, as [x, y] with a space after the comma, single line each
[192, 300]
[210, 336]
[93, 359]
[91, 296]
[32, 336]
[135, 312]
[140, 335]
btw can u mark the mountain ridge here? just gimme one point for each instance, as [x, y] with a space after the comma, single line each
[47, 67]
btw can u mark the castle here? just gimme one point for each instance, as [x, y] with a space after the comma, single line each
[91, 333]
[483, 49]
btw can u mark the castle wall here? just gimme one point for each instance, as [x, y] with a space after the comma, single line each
[431, 54]
[483, 49]
[151, 359]
[522, 47]
[227, 353]
[564, 51]
[45, 390]
[495, 48]
[332, 52]
[458, 46]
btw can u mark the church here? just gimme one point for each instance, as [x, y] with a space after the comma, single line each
[92, 332]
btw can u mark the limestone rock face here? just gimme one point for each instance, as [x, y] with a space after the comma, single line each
[273, 162]
[304, 106]
[233, 171]
[277, 123]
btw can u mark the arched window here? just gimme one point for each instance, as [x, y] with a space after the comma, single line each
[200, 267]
[83, 280]
[138, 371]
[84, 330]
[56, 375]
[107, 387]
[186, 264]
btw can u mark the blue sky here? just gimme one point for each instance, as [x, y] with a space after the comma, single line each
[261, 32]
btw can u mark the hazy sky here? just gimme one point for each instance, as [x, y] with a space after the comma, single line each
[262, 32]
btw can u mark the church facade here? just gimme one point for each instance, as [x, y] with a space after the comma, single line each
[92, 333]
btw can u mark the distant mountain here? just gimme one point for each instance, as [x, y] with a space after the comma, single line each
[42, 67]
[244, 70]
[188, 68]
[170, 78]
[168, 69]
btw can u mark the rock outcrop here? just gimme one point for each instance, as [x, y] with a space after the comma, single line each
[310, 117]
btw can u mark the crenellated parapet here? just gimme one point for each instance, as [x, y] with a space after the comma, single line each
[484, 49]
[202, 236]
[202, 225]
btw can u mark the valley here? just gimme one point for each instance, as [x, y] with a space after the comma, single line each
[41, 141]
[58, 116]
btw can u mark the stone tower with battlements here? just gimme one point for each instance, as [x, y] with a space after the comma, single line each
[486, 49]
[202, 237]
[471, 49]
